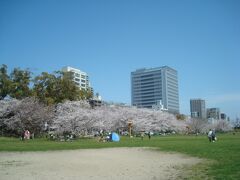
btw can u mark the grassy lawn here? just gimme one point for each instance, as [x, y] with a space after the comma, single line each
[223, 155]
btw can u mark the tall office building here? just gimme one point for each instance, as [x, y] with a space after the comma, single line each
[213, 113]
[223, 116]
[198, 108]
[154, 85]
[80, 78]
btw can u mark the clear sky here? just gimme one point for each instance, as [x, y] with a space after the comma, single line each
[109, 39]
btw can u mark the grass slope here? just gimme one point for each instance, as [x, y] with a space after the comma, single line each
[224, 154]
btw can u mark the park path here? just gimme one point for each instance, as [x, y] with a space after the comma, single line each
[93, 164]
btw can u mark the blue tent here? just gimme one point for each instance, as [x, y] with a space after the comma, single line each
[115, 137]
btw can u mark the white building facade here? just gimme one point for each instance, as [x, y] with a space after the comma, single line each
[80, 78]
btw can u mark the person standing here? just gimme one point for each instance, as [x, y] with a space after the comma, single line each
[149, 135]
[142, 135]
[22, 136]
[27, 134]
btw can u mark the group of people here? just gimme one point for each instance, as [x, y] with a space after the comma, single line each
[149, 135]
[212, 135]
[27, 135]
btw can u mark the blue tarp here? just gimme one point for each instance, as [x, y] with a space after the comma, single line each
[115, 137]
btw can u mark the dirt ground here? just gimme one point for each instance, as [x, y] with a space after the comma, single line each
[93, 164]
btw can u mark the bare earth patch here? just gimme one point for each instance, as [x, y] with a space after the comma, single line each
[94, 164]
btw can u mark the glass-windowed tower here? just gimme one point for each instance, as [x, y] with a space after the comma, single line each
[154, 85]
[197, 108]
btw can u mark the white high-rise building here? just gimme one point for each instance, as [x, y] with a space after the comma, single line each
[80, 78]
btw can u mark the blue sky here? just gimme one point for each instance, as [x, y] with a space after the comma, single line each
[110, 38]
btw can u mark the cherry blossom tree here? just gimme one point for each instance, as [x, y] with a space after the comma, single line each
[197, 125]
[221, 126]
[203, 126]
[19, 115]
[78, 116]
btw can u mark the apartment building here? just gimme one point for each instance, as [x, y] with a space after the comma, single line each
[80, 78]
